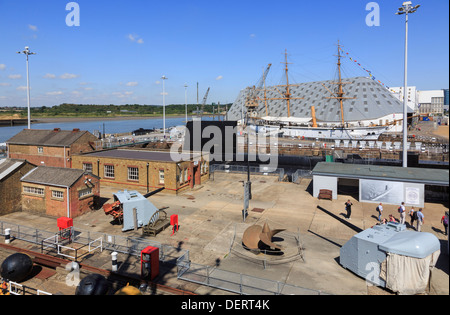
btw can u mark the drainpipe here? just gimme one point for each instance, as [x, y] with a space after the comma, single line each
[147, 177]
[68, 202]
[65, 157]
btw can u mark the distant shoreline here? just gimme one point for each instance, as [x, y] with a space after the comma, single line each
[80, 119]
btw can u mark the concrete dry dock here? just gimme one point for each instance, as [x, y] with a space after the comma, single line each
[210, 217]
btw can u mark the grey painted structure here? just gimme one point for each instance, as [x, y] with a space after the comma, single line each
[387, 184]
[371, 101]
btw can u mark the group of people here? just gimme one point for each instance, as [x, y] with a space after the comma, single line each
[415, 216]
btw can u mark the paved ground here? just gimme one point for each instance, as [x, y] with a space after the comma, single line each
[210, 217]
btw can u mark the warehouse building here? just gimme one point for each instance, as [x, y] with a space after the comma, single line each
[60, 192]
[145, 170]
[50, 147]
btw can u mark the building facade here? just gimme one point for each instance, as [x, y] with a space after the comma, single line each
[52, 148]
[11, 171]
[144, 170]
[60, 192]
[431, 102]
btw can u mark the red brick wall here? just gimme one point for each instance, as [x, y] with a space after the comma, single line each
[58, 207]
[52, 156]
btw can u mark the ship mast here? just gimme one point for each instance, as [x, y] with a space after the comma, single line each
[340, 94]
[288, 92]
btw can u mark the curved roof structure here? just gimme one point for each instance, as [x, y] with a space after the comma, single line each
[369, 100]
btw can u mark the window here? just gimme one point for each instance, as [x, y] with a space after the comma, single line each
[57, 194]
[84, 192]
[109, 171]
[161, 176]
[87, 167]
[40, 150]
[133, 173]
[33, 190]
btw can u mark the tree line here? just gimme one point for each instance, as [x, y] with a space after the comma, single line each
[83, 110]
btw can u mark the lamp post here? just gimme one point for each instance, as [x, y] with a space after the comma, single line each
[407, 8]
[185, 99]
[164, 78]
[27, 53]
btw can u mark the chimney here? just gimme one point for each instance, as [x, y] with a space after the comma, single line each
[76, 130]
[57, 129]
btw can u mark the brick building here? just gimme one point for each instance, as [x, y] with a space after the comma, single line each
[59, 192]
[50, 147]
[144, 170]
[11, 171]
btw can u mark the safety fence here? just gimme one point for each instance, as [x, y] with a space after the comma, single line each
[19, 289]
[83, 242]
[237, 282]
[261, 170]
[186, 270]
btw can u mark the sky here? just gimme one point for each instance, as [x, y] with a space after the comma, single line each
[121, 49]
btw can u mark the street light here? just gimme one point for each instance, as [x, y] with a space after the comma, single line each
[407, 8]
[185, 99]
[27, 52]
[164, 78]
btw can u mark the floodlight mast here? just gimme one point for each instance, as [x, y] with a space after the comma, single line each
[27, 53]
[164, 78]
[406, 9]
[185, 100]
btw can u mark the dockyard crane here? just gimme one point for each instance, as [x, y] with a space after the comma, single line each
[252, 99]
[204, 102]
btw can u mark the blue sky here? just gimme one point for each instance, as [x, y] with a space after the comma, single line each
[122, 48]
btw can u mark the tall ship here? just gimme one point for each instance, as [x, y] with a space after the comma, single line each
[358, 108]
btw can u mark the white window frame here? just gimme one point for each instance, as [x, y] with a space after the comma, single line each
[87, 167]
[133, 173]
[84, 192]
[57, 194]
[108, 170]
[34, 191]
[161, 178]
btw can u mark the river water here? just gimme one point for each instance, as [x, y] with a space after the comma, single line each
[111, 126]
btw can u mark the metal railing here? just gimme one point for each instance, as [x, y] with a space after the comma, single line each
[262, 170]
[186, 270]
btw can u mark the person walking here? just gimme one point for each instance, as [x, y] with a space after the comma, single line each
[402, 211]
[412, 215]
[348, 208]
[444, 221]
[420, 220]
[380, 211]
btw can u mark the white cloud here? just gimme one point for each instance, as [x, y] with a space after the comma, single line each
[157, 82]
[15, 76]
[2, 66]
[88, 89]
[135, 38]
[132, 84]
[5, 84]
[54, 93]
[49, 76]
[219, 78]
[66, 76]
[252, 35]
[22, 88]
[32, 27]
